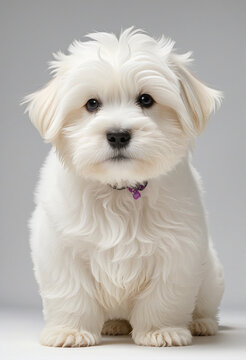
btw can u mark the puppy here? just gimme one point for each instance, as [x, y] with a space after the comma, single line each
[119, 237]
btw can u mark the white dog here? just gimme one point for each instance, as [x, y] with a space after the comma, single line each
[119, 238]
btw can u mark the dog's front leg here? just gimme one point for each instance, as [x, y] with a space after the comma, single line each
[72, 314]
[161, 315]
[71, 320]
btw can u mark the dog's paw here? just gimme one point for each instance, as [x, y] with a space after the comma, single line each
[164, 337]
[116, 327]
[66, 337]
[204, 327]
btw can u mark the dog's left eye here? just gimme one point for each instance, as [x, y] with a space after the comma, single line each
[92, 105]
[145, 100]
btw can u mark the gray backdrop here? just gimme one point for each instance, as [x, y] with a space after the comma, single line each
[32, 30]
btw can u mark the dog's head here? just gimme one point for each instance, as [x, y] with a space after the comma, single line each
[121, 110]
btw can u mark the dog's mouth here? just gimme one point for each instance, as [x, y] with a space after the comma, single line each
[119, 157]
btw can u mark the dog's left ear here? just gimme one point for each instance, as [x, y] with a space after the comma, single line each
[199, 99]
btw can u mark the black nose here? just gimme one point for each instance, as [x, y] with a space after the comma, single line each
[118, 139]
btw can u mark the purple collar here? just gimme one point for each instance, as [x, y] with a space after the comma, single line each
[135, 190]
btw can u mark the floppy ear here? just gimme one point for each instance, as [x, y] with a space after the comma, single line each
[42, 109]
[198, 99]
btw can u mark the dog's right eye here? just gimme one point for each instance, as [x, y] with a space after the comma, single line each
[92, 105]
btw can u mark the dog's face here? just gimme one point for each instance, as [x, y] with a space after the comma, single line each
[121, 111]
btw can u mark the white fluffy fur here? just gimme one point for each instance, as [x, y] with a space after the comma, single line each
[99, 254]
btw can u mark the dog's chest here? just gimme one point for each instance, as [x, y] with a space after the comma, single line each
[123, 260]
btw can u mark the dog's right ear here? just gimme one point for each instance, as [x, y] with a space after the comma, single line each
[43, 105]
[42, 109]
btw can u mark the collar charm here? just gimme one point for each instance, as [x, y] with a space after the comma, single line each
[136, 190]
